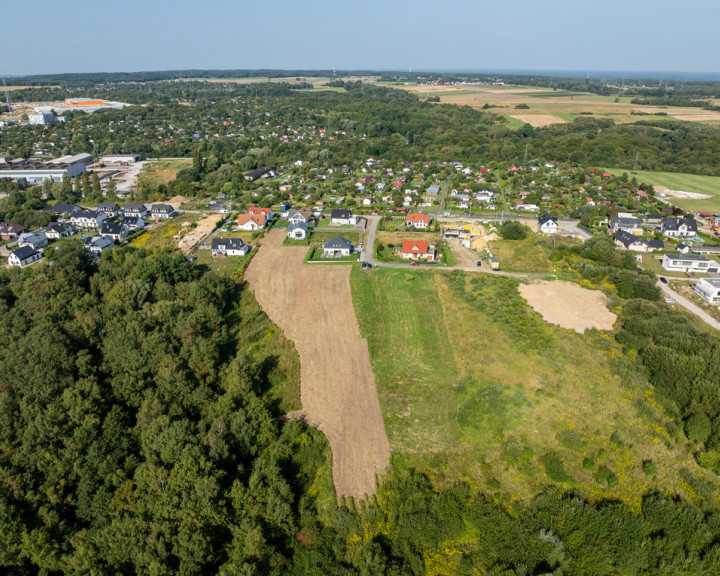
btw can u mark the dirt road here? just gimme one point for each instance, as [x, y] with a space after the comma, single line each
[313, 306]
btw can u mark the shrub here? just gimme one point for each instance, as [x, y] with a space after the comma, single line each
[555, 468]
[606, 476]
[522, 107]
[512, 230]
[698, 427]
[589, 464]
[650, 468]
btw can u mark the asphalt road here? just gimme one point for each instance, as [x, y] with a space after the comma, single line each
[685, 303]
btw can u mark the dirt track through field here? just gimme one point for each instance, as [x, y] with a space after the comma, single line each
[313, 306]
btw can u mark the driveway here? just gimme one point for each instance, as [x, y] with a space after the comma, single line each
[685, 303]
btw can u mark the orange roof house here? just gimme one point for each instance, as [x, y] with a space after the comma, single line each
[258, 210]
[418, 220]
[417, 250]
[251, 221]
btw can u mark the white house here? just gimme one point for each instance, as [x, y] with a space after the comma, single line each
[629, 225]
[337, 247]
[297, 230]
[683, 227]
[110, 209]
[342, 217]
[161, 211]
[548, 224]
[57, 230]
[688, 263]
[134, 209]
[96, 244]
[23, 256]
[418, 220]
[133, 222]
[251, 222]
[229, 247]
[87, 218]
[115, 230]
[709, 289]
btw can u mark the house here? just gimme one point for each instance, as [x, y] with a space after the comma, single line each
[297, 230]
[36, 241]
[433, 190]
[418, 220]
[683, 248]
[23, 256]
[337, 247]
[110, 209]
[688, 263]
[341, 217]
[57, 230]
[302, 215]
[655, 244]
[654, 218]
[255, 174]
[629, 225]
[10, 230]
[135, 210]
[709, 289]
[87, 218]
[627, 241]
[251, 221]
[222, 247]
[59, 209]
[684, 227]
[548, 224]
[161, 211]
[96, 244]
[115, 230]
[254, 210]
[417, 250]
[133, 222]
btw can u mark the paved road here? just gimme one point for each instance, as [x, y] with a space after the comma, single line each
[685, 303]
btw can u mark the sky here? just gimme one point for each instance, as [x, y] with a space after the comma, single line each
[133, 35]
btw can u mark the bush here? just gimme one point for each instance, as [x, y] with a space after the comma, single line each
[650, 468]
[512, 230]
[698, 427]
[522, 107]
[606, 476]
[555, 468]
[589, 464]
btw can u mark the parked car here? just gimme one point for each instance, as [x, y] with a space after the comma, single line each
[479, 264]
[663, 280]
[414, 263]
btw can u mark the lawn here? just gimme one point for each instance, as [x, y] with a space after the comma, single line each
[474, 385]
[529, 255]
[163, 171]
[228, 266]
[686, 182]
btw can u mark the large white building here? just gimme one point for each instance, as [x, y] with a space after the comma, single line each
[709, 289]
[41, 118]
[120, 159]
[38, 171]
[688, 263]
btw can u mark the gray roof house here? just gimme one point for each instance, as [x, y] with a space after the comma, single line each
[336, 247]
[229, 247]
[23, 256]
[56, 230]
[297, 230]
[35, 240]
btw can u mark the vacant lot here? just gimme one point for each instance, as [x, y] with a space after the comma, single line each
[556, 106]
[474, 385]
[521, 255]
[163, 171]
[313, 306]
[189, 237]
[568, 305]
[709, 185]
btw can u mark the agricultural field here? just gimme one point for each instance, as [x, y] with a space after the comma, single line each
[473, 384]
[707, 185]
[556, 106]
[162, 171]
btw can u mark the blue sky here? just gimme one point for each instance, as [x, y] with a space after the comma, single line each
[133, 35]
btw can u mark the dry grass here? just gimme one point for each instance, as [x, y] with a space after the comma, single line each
[163, 171]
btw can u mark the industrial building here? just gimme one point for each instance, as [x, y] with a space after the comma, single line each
[39, 171]
[120, 159]
[42, 118]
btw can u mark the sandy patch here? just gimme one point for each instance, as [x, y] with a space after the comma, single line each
[538, 120]
[177, 201]
[187, 241]
[569, 305]
[313, 305]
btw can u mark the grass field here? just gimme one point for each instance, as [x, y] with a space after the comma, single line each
[551, 106]
[686, 182]
[521, 255]
[474, 385]
[162, 171]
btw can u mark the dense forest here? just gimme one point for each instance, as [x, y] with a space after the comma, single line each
[138, 435]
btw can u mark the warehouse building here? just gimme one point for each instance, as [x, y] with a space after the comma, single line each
[120, 159]
[38, 171]
[42, 118]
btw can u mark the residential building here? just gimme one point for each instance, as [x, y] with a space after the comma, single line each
[683, 227]
[340, 217]
[688, 263]
[36, 240]
[418, 220]
[417, 250]
[548, 224]
[23, 256]
[60, 209]
[115, 230]
[10, 230]
[258, 210]
[133, 222]
[302, 215]
[135, 209]
[222, 247]
[627, 241]
[251, 221]
[255, 174]
[337, 247]
[709, 289]
[57, 230]
[297, 230]
[110, 209]
[629, 225]
[96, 244]
[161, 211]
[87, 218]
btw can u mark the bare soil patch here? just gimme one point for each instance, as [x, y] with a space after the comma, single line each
[177, 201]
[188, 238]
[538, 120]
[313, 306]
[569, 305]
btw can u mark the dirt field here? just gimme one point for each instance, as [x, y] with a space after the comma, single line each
[313, 306]
[569, 306]
[538, 120]
[187, 242]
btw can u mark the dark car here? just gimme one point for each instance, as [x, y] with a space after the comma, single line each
[663, 280]
[479, 264]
